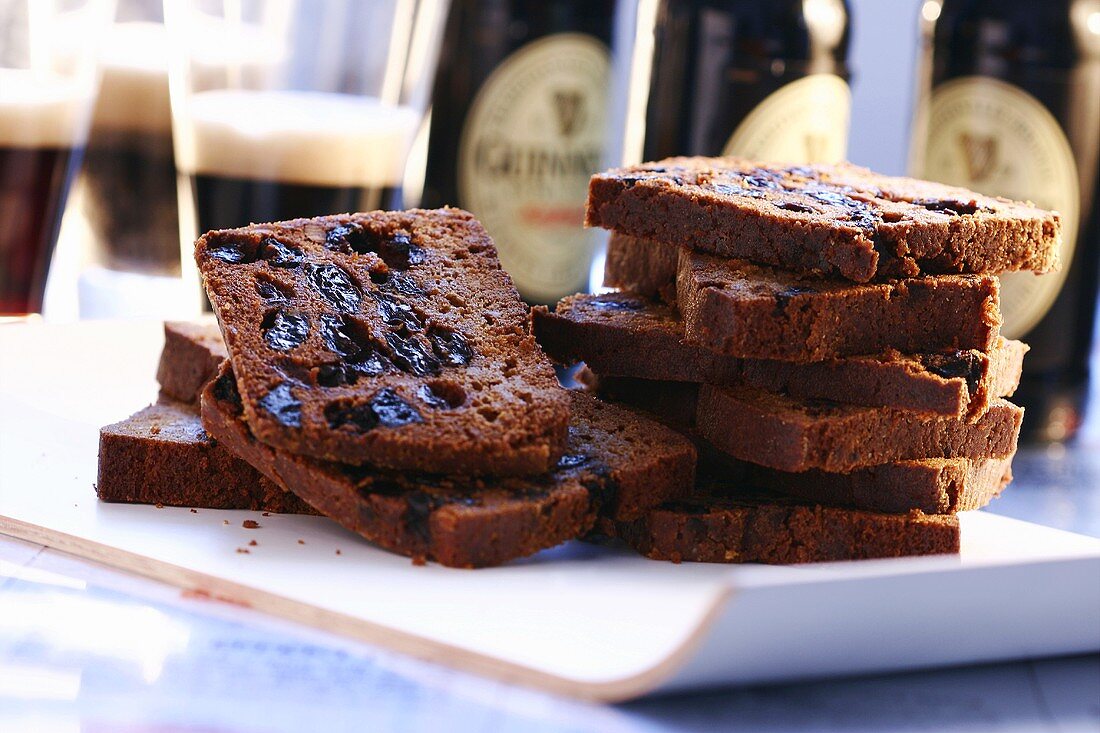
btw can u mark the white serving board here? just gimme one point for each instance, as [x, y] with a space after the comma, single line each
[581, 620]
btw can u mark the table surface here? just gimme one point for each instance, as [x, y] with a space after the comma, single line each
[86, 648]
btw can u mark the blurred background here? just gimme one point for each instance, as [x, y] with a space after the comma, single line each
[217, 113]
[883, 59]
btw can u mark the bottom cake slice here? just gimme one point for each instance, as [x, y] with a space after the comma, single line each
[775, 530]
[617, 462]
[162, 455]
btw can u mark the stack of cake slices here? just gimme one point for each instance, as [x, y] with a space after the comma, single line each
[379, 369]
[830, 339]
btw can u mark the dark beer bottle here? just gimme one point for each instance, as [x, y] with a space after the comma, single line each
[518, 127]
[1011, 107]
[763, 79]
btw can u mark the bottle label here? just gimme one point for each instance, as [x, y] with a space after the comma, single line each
[993, 137]
[805, 121]
[534, 135]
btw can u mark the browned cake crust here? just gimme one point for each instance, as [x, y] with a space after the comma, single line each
[838, 220]
[193, 351]
[389, 338]
[618, 334]
[162, 455]
[641, 267]
[774, 530]
[617, 462]
[932, 486]
[753, 312]
[798, 435]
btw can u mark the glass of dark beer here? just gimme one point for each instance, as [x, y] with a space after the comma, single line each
[285, 109]
[47, 84]
[127, 185]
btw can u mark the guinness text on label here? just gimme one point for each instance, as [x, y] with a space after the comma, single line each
[533, 136]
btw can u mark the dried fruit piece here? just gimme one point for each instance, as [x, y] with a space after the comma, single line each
[271, 292]
[279, 254]
[335, 286]
[396, 249]
[396, 313]
[228, 250]
[386, 408]
[338, 337]
[283, 405]
[285, 330]
[392, 409]
[450, 346]
[411, 356]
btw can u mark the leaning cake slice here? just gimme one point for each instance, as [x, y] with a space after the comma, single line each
[617, 464]
[390, 338]
[192, 353]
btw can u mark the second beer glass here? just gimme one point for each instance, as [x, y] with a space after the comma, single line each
[288, 109]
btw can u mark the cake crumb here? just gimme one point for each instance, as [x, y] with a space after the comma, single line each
[250, 524]
[194, 511]
[225, 521]
[252, 543]
[338, 552]
[301, 542]
[158, 505]
[243, 550]
[266, 514]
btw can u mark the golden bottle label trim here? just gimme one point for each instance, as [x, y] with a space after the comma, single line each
[534, 135]
[993, 137]
[805, 121]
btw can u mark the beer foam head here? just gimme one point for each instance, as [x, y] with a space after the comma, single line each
[308, 138]
[133, 93]
[40, 110]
